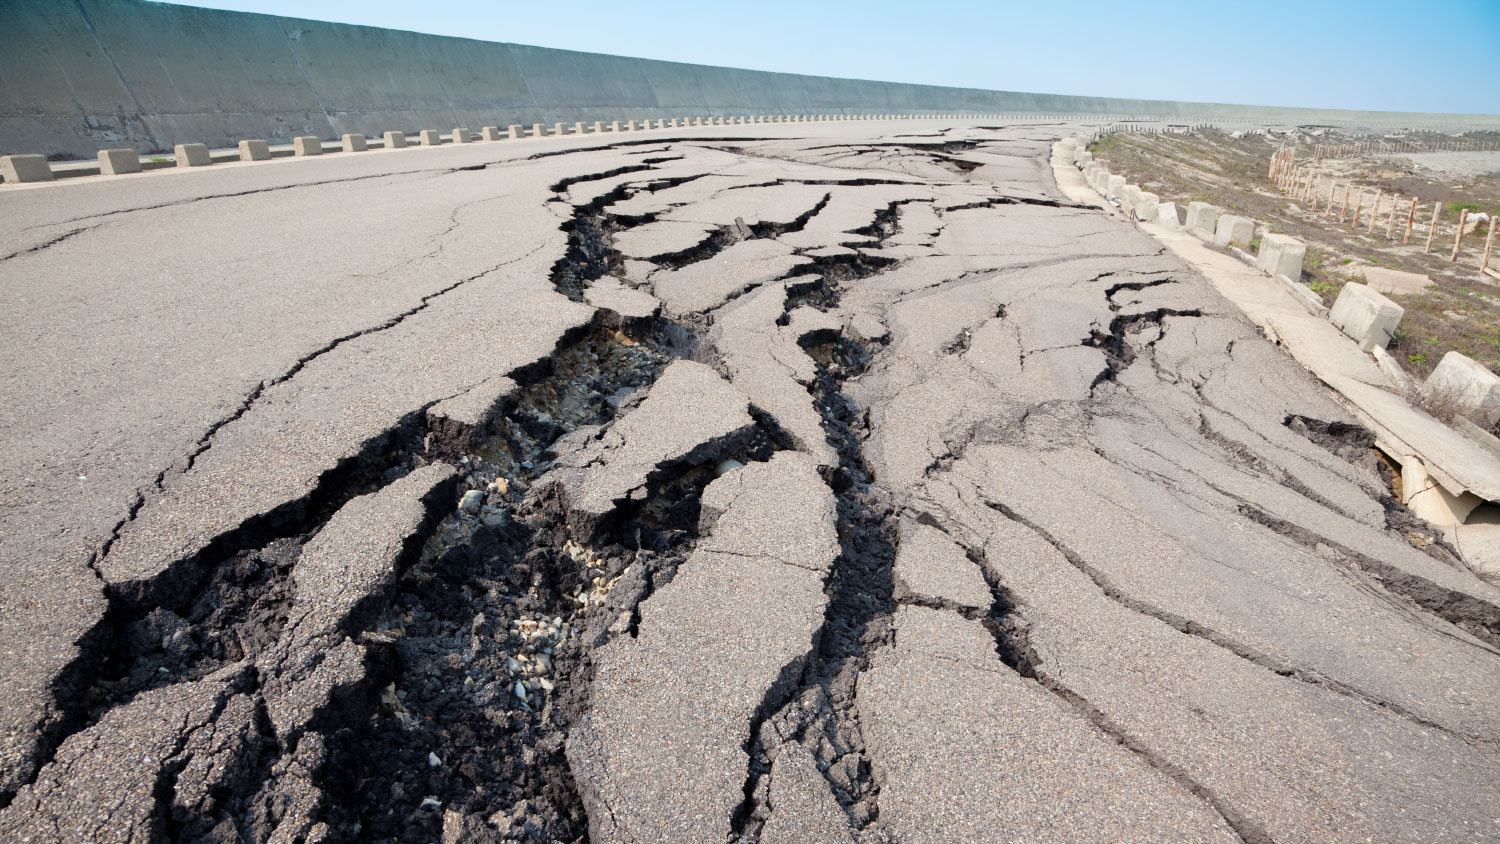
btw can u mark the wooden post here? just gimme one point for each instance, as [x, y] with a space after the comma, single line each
[1359, 202]
[1411, 219]
[1489, 245]
[1375, 210]
[1437, 208]
[1458, 239]
[1344, 205]
[1390, 225]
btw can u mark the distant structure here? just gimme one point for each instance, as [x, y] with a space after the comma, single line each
[89, 74]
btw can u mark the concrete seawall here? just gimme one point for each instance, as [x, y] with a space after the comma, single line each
[77, 76]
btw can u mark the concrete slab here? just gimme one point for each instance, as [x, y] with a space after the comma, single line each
[114, 162]
[1281, 254]
[1367, 317]
[1202, 219]
[257, 150]
[1234, 230]
[1467, 386]
[1167, 216]
[25, 168]
[1393, 282]
[192, 155]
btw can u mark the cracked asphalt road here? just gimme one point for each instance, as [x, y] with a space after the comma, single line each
[822, 482]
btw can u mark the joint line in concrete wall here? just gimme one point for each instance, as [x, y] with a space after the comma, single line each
[438, 77]
[140, 113]
[521, 69]
[290, 48]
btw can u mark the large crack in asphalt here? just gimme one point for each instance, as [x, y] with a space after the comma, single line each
[494, 630]
[818, 709]
[502, 575]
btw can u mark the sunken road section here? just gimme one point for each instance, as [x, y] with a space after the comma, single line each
[776, 488]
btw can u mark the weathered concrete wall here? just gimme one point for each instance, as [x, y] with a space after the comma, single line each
[77, 76]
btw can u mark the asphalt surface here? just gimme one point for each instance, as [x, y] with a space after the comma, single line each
[819, 482]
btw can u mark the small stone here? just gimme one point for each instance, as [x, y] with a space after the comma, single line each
[434, 761]
[472, 501]
[500, 485]
[520, 690]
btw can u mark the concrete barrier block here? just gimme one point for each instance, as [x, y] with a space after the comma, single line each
[1112, 187]
[490, 133]
[1145, 206]
[1130, 197]
[1166, 216]
[614, 126]
[578, 128]
[255, 150]
[196, 155]
[429, 137]
[1469, 386]
[116, 162]
[1233, 230]
[538, 130]
[354, 142]
[1201, 219]
[25, 168]
[1085, 157]
[464, 136]
[394, 140]
[515, 131]
[1281, 254]
[630, 126]
[1367, 317]
[559, 128]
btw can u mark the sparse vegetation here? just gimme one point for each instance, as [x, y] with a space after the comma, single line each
[1460, 313]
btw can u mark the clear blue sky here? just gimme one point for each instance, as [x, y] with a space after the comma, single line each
[1429, 55]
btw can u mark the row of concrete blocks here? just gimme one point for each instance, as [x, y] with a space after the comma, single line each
[35, 168]
[1279, 254]
[1362, 313]
[1463, 385]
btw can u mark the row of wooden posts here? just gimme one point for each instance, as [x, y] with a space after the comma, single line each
[1351, 149]
[1305, 185]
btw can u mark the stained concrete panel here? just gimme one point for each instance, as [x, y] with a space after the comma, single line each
[182, 60]
[52, 66]
[566, 80]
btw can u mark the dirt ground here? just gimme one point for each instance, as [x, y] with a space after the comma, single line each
[1460, 312]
